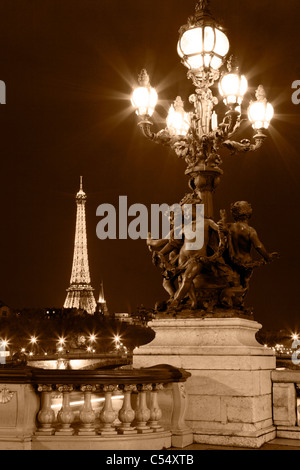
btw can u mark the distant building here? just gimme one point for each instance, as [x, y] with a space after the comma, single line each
[53, 312]
[5, 310]
[101, 304]
[124, 317]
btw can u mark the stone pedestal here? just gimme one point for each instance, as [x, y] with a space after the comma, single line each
[230, 390]
[19, 405]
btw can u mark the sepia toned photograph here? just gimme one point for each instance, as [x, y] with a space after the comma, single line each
[149, 244]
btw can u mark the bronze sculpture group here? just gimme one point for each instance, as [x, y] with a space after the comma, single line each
[217, 276]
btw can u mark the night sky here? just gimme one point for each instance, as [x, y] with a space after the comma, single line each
[69, 68]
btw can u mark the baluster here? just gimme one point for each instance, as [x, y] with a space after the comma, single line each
[126, 413]
[108, 415]
[46, 415]
[65, 415]
[87, 414]
[155, 411]
[142, 412]
[182, 435]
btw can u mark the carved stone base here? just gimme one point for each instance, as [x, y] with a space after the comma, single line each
[127, 431]
[182, 439]
[157, 429]
[18, 410]
[144, 431]
[107, 433]
[87, 433]
[65, 432]
[45, 432]
[229, 392]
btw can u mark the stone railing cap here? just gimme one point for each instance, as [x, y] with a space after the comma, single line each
[158, 374]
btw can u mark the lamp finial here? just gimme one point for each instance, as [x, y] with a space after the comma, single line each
[143, 78]
[202, 5]
[260, 94]
[202, 10]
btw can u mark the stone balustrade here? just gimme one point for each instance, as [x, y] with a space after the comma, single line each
[84, 409]
[286, 407]
[123, 409]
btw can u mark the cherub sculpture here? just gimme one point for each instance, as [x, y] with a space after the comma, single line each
[222, 267]
[179, 263]
[242, 239]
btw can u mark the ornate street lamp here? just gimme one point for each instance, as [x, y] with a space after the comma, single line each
[202, 43]
[260, 112]
[232, 87]
[144, 98]
[198, 135]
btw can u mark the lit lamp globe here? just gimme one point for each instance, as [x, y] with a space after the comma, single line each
[260, 112]
[233, 87]
[202, 43]
[178, 121]
[144, 97]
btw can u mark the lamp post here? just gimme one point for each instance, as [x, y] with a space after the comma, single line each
[197, 136]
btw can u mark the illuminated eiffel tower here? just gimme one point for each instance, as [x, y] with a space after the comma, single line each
[80, 293]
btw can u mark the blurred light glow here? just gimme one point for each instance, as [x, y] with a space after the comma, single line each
[94, 400]
[260, 114]
[233, 87]
[144, 100]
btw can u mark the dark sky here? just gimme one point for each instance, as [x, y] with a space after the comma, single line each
[69, 67]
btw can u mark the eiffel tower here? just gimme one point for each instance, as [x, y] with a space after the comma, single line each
[80, 293]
